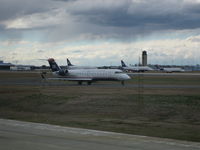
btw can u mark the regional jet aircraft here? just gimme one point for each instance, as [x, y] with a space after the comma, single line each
[86, 75]
[135, 68]
[170, 70]
[70, 66]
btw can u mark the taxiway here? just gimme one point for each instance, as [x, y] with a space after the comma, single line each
[20, 135]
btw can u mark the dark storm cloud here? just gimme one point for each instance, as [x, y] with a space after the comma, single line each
[99, 18]
[14, 9]
[10, 9]
[65, 0]
[152, 14]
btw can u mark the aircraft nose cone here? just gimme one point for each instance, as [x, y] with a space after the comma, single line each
[127, 77]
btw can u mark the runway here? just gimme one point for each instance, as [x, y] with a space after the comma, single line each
[98, 84]
[35, 80]
[20, 135]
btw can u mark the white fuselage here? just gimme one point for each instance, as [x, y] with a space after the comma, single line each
[95, 74]
[81, 67]
[173, 70]
[138, 68]
[20, 68]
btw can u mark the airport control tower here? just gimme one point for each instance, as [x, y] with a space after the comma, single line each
[144, 58]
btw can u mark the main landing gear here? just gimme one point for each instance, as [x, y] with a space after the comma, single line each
[79, 82]
[122, 82]
[88, 83]
[43, 74]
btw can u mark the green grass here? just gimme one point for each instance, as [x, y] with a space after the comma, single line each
[161, 112]
[168, 116]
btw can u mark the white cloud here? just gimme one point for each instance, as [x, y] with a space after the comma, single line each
[194, 39]
[176, 51]
[37, 20]
[99, 19]
[101, 31]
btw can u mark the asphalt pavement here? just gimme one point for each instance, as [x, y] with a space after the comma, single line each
[42, 82]
[99, 84]
[18, 135]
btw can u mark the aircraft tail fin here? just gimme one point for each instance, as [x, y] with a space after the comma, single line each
[69, 63]
[53, 65]
[123, 64]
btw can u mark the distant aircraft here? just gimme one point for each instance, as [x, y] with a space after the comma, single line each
[20, 68]
[86, 75]
[70, 66]
[170, 70]
[135, 68]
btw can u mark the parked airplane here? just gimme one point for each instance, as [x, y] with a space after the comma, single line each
[70, 66]
[135, 68]
[86, 75]
[169, 70]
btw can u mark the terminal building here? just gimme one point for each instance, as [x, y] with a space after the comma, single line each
[9, 66]
[5, 66]
[21, 68]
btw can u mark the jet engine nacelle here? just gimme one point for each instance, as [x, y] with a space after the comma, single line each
[62, 72]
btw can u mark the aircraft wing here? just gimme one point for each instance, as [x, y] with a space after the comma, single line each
[70, 79]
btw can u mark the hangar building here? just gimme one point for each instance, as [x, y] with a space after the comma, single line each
[5, 66]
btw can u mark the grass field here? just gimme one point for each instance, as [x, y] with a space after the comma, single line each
[170, 113]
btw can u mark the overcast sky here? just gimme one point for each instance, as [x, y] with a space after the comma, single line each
[100, 32]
